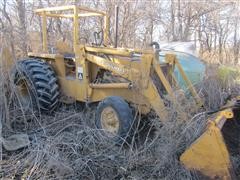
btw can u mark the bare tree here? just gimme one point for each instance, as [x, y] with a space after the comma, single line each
[7, 26]
[21, 11]
[214, 24]
[236, 42]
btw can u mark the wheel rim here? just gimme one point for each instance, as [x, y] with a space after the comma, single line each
[110, 121]
[23, 93]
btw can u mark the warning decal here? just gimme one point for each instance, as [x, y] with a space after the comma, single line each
[80, 72]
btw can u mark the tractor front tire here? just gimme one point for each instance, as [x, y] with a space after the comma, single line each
[115, 118]
[36, 84]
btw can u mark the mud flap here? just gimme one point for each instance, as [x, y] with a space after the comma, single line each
[208, 155]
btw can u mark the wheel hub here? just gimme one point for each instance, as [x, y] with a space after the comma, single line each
[110, 121]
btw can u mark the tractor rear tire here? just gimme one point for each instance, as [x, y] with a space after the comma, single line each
[40, 83]
[115, 117]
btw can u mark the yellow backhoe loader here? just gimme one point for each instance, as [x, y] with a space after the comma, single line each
[115, 77]
[119, 79]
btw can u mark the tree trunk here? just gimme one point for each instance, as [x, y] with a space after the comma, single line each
[220, 46]
[180, 33]
[236, 43]
[174, 38]
[22, 25]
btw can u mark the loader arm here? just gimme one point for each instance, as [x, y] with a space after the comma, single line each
[138, 72]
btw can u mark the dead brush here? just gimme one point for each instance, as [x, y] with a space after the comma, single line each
[67, 146]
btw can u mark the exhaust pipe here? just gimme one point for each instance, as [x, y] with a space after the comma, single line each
[116, 27]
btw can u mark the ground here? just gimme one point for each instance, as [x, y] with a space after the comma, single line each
[66, 144]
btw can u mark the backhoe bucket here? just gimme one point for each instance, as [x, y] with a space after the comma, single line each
[209, 155]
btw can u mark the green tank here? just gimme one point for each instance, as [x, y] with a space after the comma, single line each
[193, 66]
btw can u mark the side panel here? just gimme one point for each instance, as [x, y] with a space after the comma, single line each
[70, 86]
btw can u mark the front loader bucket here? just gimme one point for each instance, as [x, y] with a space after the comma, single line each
[209, 155]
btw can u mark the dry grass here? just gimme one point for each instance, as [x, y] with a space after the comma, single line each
[213, 57]
[67, 146]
